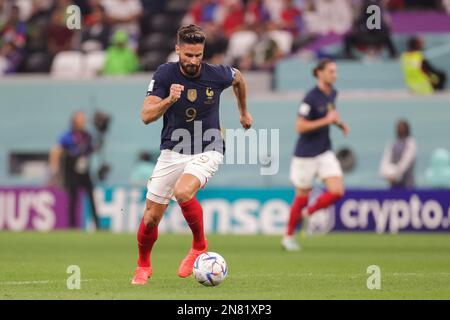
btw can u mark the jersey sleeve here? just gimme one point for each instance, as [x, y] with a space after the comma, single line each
[65, 140]
[305, 109]
[158, 85]
[226, 75]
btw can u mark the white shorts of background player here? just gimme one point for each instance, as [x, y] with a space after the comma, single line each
[304, 170]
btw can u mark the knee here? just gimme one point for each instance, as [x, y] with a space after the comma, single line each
[182, 194]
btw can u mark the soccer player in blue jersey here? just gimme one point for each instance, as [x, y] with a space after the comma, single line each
[313, 155]
[186, 94]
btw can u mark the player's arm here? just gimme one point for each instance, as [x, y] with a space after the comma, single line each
[305, 125]
[341, 125]
[154, 107]
[240, 91]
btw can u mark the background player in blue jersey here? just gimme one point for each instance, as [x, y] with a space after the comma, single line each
[186, 94]
[313, 156]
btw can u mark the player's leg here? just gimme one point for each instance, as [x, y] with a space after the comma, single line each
[331, 173]
[73, 186]
[300, 201]
[146, 237]
[196, 174]
[334, 192]
[184, 191]
[168, 169]
[89, 189]
[302, 174]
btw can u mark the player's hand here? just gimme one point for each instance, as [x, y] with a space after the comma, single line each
[175, 92]
[345, 129]
[246, 120]
[332, 116]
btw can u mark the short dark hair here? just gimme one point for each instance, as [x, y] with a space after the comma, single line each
[321, 65]
[413, 44]
[191, 34]
[405, 123]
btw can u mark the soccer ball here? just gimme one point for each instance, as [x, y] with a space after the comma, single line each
[210, 269]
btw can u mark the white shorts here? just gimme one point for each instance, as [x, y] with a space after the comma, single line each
[171, 165]
[304, 170]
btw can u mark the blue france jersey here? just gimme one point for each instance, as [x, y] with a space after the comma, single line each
[315, 105]
[196, 111]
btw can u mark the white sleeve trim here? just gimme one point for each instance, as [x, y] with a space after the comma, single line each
[304, 109]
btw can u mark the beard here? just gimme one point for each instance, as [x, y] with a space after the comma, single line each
[190, 69]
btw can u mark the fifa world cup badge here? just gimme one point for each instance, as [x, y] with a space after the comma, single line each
[192, 95]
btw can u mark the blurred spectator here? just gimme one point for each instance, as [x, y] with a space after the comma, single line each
[143, 169]
[120, 58]
[202, 11]
[275, 7]
[291, 17]
[375, 39]
[264, 54]
[97, 31]
[231, 16]
[420, 76]
[256, 13]
[59, 37]
[438, 173]
[216, 44]
[73, 150]
[4, 12]
[14, 30]
[10, 58]
[12, 41]
[397, 164]
[125, 15]
[336, 16]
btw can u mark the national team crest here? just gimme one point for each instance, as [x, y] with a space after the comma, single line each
[192, 95]
[209, 93]
[209, 96]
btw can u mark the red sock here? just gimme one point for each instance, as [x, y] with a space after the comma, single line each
[324, 200]
[193, 213]
[295, 215]
[146, 237]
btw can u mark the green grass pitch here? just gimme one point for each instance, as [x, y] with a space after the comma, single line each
[334, 266]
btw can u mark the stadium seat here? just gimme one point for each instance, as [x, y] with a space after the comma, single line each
[94, 62]
[156, 41]
[240, 44]
[38, 62]
[177, 6]
[151, 60]
[68, 64]
[283, 39]
[162, 23]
